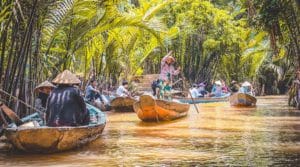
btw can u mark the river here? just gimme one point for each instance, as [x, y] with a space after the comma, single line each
[219, 135]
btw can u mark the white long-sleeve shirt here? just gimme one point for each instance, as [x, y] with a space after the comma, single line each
[122, 91]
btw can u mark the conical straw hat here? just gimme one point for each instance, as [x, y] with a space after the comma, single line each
[66, 77]
[169, 56]
[44, 84]
[246, 84]
[218, 82]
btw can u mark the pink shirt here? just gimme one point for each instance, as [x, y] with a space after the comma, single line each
[167, 69]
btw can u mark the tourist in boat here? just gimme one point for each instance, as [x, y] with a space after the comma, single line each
[105, 99]
[65, 105]
[225, 89]
[217, 89]
[167, 90]
[234, 86]
[155, 86]
[167, 67]
[93, 96]
[160, 89]
[43, 90]
[246, 88]
[194, 91]
[122, 91]
[201, 90]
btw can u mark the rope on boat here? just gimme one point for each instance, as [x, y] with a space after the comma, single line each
[21, 101]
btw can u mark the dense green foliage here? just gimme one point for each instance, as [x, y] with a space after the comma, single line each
[229, 39]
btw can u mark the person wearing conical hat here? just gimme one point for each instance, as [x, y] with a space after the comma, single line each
[43, 91]
[217, 89]
[167, 68]
[246, 88]
[65, 106]
[167, 71]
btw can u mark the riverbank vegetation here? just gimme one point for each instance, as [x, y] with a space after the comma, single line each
[116, 39]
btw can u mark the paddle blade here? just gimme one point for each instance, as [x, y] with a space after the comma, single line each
[11, 114]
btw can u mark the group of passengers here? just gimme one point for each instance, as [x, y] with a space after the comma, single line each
[162, 87]
[219, 89]
[66, 107]
[63, 103]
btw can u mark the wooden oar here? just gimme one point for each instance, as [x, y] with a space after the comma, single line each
[3, 118]
[11, 114]
[194, 102]
[4, 122]
[176, 82]
[21, 101]
[195, 105]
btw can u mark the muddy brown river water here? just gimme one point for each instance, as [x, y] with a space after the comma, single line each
[220, 135]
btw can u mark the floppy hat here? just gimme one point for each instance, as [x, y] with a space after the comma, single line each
[246, 83]
[218, 82]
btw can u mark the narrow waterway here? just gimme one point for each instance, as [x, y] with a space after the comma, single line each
[220, 135]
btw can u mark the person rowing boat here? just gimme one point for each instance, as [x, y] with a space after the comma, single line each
[167, 72]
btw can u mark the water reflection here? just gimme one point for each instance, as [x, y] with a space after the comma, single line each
[219, 135]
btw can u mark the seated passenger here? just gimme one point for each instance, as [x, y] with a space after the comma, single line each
[65, 105]
[43, 89]
[122, 90]
[92, 95]
[224, 87]
[194, 91]
[201, 90]
[155, 86]
[246, 88]
[234, 87]
[217, 89]
[167, 90]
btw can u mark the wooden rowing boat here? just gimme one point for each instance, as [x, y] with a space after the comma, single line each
[242, 100]
[44, 139]
[149, 109]
[123, 104]
[202, 99]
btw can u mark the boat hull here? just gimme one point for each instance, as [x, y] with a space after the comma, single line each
[123, 104]
[54, 139]
[242, 100]
[151, 110]
[202, 99]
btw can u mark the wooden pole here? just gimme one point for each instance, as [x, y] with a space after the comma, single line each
[195, 105]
